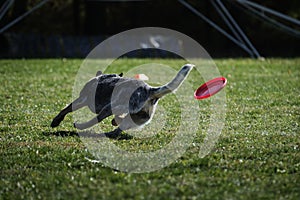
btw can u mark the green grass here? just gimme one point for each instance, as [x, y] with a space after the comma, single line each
[257, 155]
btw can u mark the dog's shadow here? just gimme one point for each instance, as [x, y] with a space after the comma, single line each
[115, 134]
[61, 133]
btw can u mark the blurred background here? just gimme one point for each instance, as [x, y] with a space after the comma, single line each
[72, 28]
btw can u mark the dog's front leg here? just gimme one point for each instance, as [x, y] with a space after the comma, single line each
[105, 112]
[75, 105]
[56, 121]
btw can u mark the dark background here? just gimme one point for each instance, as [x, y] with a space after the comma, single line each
[72, 28]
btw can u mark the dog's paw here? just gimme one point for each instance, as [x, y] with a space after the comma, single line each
[113, 122]
[78, 126]
[54, 123]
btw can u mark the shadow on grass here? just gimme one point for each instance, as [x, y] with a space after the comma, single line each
[61, 133]
[115, 134]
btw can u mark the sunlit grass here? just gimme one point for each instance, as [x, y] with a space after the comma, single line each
[256, 157]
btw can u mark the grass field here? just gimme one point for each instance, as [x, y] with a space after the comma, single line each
[257, 155]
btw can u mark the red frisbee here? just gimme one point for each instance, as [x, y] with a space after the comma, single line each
[210, 88]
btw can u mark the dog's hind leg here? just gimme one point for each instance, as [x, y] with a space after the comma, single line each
[105, 112]
[125, 123]
[75, 105]
[117, 120]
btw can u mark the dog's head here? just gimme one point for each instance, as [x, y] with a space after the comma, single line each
[100, 76]
[99, 73]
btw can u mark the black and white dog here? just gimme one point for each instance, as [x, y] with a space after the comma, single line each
[131, 101]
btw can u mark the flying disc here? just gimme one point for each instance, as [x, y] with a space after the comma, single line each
[210, 88]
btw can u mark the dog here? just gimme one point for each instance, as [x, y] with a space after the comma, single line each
[131, 101]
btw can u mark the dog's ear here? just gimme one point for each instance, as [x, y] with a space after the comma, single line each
[99, 73]
[121, 74]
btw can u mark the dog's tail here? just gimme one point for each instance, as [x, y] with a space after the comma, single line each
[158, 92]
